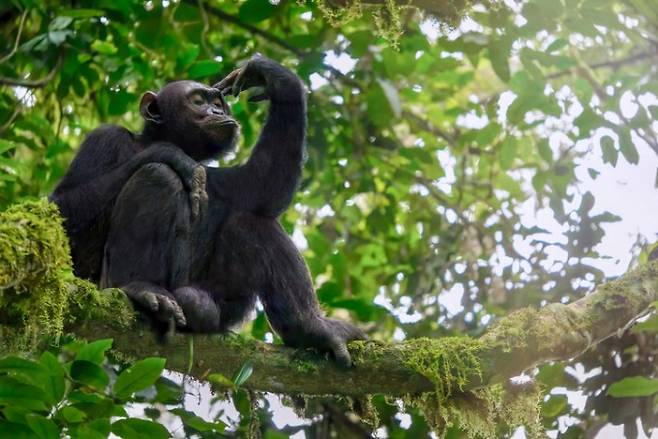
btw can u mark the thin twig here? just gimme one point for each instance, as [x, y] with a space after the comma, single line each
[11, 119]
[18, 38]
[641, 56]
[37, 83]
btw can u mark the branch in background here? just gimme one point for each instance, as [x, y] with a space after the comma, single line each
[218, 13]
[641, 56]
[18, 38]
[518, 342]
[36, 83]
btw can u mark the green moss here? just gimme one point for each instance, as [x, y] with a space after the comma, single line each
[38, 292]
[110, 306]
[387, 15]
[450, 362]
[512, 332]
[361, 350]
[366, 410]
[35, 267]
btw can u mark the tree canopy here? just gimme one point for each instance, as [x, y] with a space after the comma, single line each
[458, 160]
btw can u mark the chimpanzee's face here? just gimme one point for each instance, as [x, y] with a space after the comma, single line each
[195, 117]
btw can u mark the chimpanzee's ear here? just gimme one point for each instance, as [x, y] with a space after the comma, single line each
[148, 108]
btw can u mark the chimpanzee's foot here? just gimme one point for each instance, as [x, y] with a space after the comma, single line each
[155, 301]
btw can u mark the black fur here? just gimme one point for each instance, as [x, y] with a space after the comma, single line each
[131, 208]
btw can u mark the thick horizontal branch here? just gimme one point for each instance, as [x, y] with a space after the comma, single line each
[33, 251]
[519, 341]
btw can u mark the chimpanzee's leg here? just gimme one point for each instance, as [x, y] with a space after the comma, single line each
[256, 255]
[205, 314]
[147, 252]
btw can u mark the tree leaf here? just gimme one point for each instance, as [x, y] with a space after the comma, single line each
[255, 11]
[633, 386]
[104, 47]
[43, 427]
[392, 96]
[508, 152]
[94, 351]
[19, 395]
[202, 69]
[139, 376]
[610, 153]
[139, 429]
[56, 385]
[499, 51]
[15, 431]
[243, 374]
[90, 374]
[82, 13]
[628, 149]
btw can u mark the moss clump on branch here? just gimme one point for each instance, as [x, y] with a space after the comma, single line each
[453, 365]
[449, 363]
[38, 292]
[35, 267]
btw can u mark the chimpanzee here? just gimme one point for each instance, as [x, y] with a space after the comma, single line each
[192, 244]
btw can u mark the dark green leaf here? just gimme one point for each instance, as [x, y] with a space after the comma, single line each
[610, 153]
[139, 429]
[255, 11]
[20, 395]
[15, 431]
[139, 376]
[197, 423]
[55, 386]
[43, 427]
[203, 69]
[73, 415]
[628, 149]
[89, 373]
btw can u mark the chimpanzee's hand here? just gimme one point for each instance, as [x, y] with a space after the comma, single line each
[157, 302]
[279, 83]
[191, 173]
[333, 336]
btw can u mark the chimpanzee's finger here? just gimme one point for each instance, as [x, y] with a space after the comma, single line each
[239, 83]
[227, 82]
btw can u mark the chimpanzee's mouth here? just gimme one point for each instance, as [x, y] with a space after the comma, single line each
[215, 122]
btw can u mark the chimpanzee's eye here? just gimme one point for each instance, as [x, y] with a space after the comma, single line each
[198, 99]
[217, 102]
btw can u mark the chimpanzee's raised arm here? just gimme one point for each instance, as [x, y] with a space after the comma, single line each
[266, 183]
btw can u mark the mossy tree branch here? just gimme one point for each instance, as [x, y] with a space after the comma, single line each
[519, 341]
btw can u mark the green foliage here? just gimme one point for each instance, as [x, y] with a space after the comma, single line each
[67, 391]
